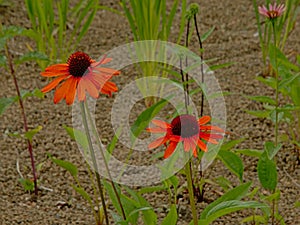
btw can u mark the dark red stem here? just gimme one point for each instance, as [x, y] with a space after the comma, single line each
[12, 72]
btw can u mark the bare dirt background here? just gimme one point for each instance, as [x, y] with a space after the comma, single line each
[233, 40]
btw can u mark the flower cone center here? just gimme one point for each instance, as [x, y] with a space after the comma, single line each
[185, 126]
[79, 62]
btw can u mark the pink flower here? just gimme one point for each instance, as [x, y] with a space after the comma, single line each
[273, 12]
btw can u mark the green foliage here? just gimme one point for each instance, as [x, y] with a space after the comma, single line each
[49, 21]
[171, 218]
[30, 133]
[27, 184]
[267, 172]
[143, 120]
[284, 25]
[228, 207]
[233, 162]
[70, 167]
[236, 193]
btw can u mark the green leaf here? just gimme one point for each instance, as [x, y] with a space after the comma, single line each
[262, 99]
[233, 163]
[249, 152]
[2, 61]
[143, 120]
[83, 193]
[224, 183]
[228, 207]
[236, 193]
[272, 197]
[27, 184]
[267, 172]
[70, 167]
[207, 34]
[269, 81]
[259, 113]
[29, 134]
[31, 56]
[78, 136]
[5, 103]
[255, 218]
[271, 150]
[230, 144]
[171, 218]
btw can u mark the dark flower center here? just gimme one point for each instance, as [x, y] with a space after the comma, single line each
[79, 62]
[273, 14]
[185, 126]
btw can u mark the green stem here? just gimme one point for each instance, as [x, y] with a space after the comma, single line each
[276, 106]
[106, 165]
[86, 127]
[188, 173]
[277, 84]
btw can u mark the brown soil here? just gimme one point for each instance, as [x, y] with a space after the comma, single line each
[233, 40]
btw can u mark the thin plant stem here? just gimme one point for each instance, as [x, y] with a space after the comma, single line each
[29, 144]
[106, 165]
[276, 106]
[191, 191]
[186, 61]
[86, 127]
[201, 65]
[184, 86]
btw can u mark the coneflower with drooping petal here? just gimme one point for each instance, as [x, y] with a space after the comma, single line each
[273, 12]
[188, 129]
[79, 75]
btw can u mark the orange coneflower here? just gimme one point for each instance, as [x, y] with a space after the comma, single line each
[78, 75]
[189, 130]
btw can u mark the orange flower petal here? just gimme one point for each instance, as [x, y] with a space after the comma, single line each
[170, 149]
[70, 96]
[212, 128]
[61, 91]
[53, 83]
[58, 67]
[157, 142]
[175, 138]
[54, 74]
[107, 71]
[202, 145]
[89, 87]
[156, 130]
[81, 91]
[204, 120]
[109, 87]
[161, 124]
[186, 145]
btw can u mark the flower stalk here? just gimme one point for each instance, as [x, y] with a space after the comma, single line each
[91, 149]
[25, 124]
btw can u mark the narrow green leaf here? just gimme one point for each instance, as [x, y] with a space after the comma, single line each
[233, 162]
[267, 172]
[259, 113]
[27, 184]
[2, 61]
[254, 218]
[70, 167]
[78, 136]
[31, 56]
[83, 193]
[230, 144]
[262, 99]
[29, 134]
[5, 103]
[171, 218]
[236, 193]
[143, 120]
[249, 152]
[271, 150]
